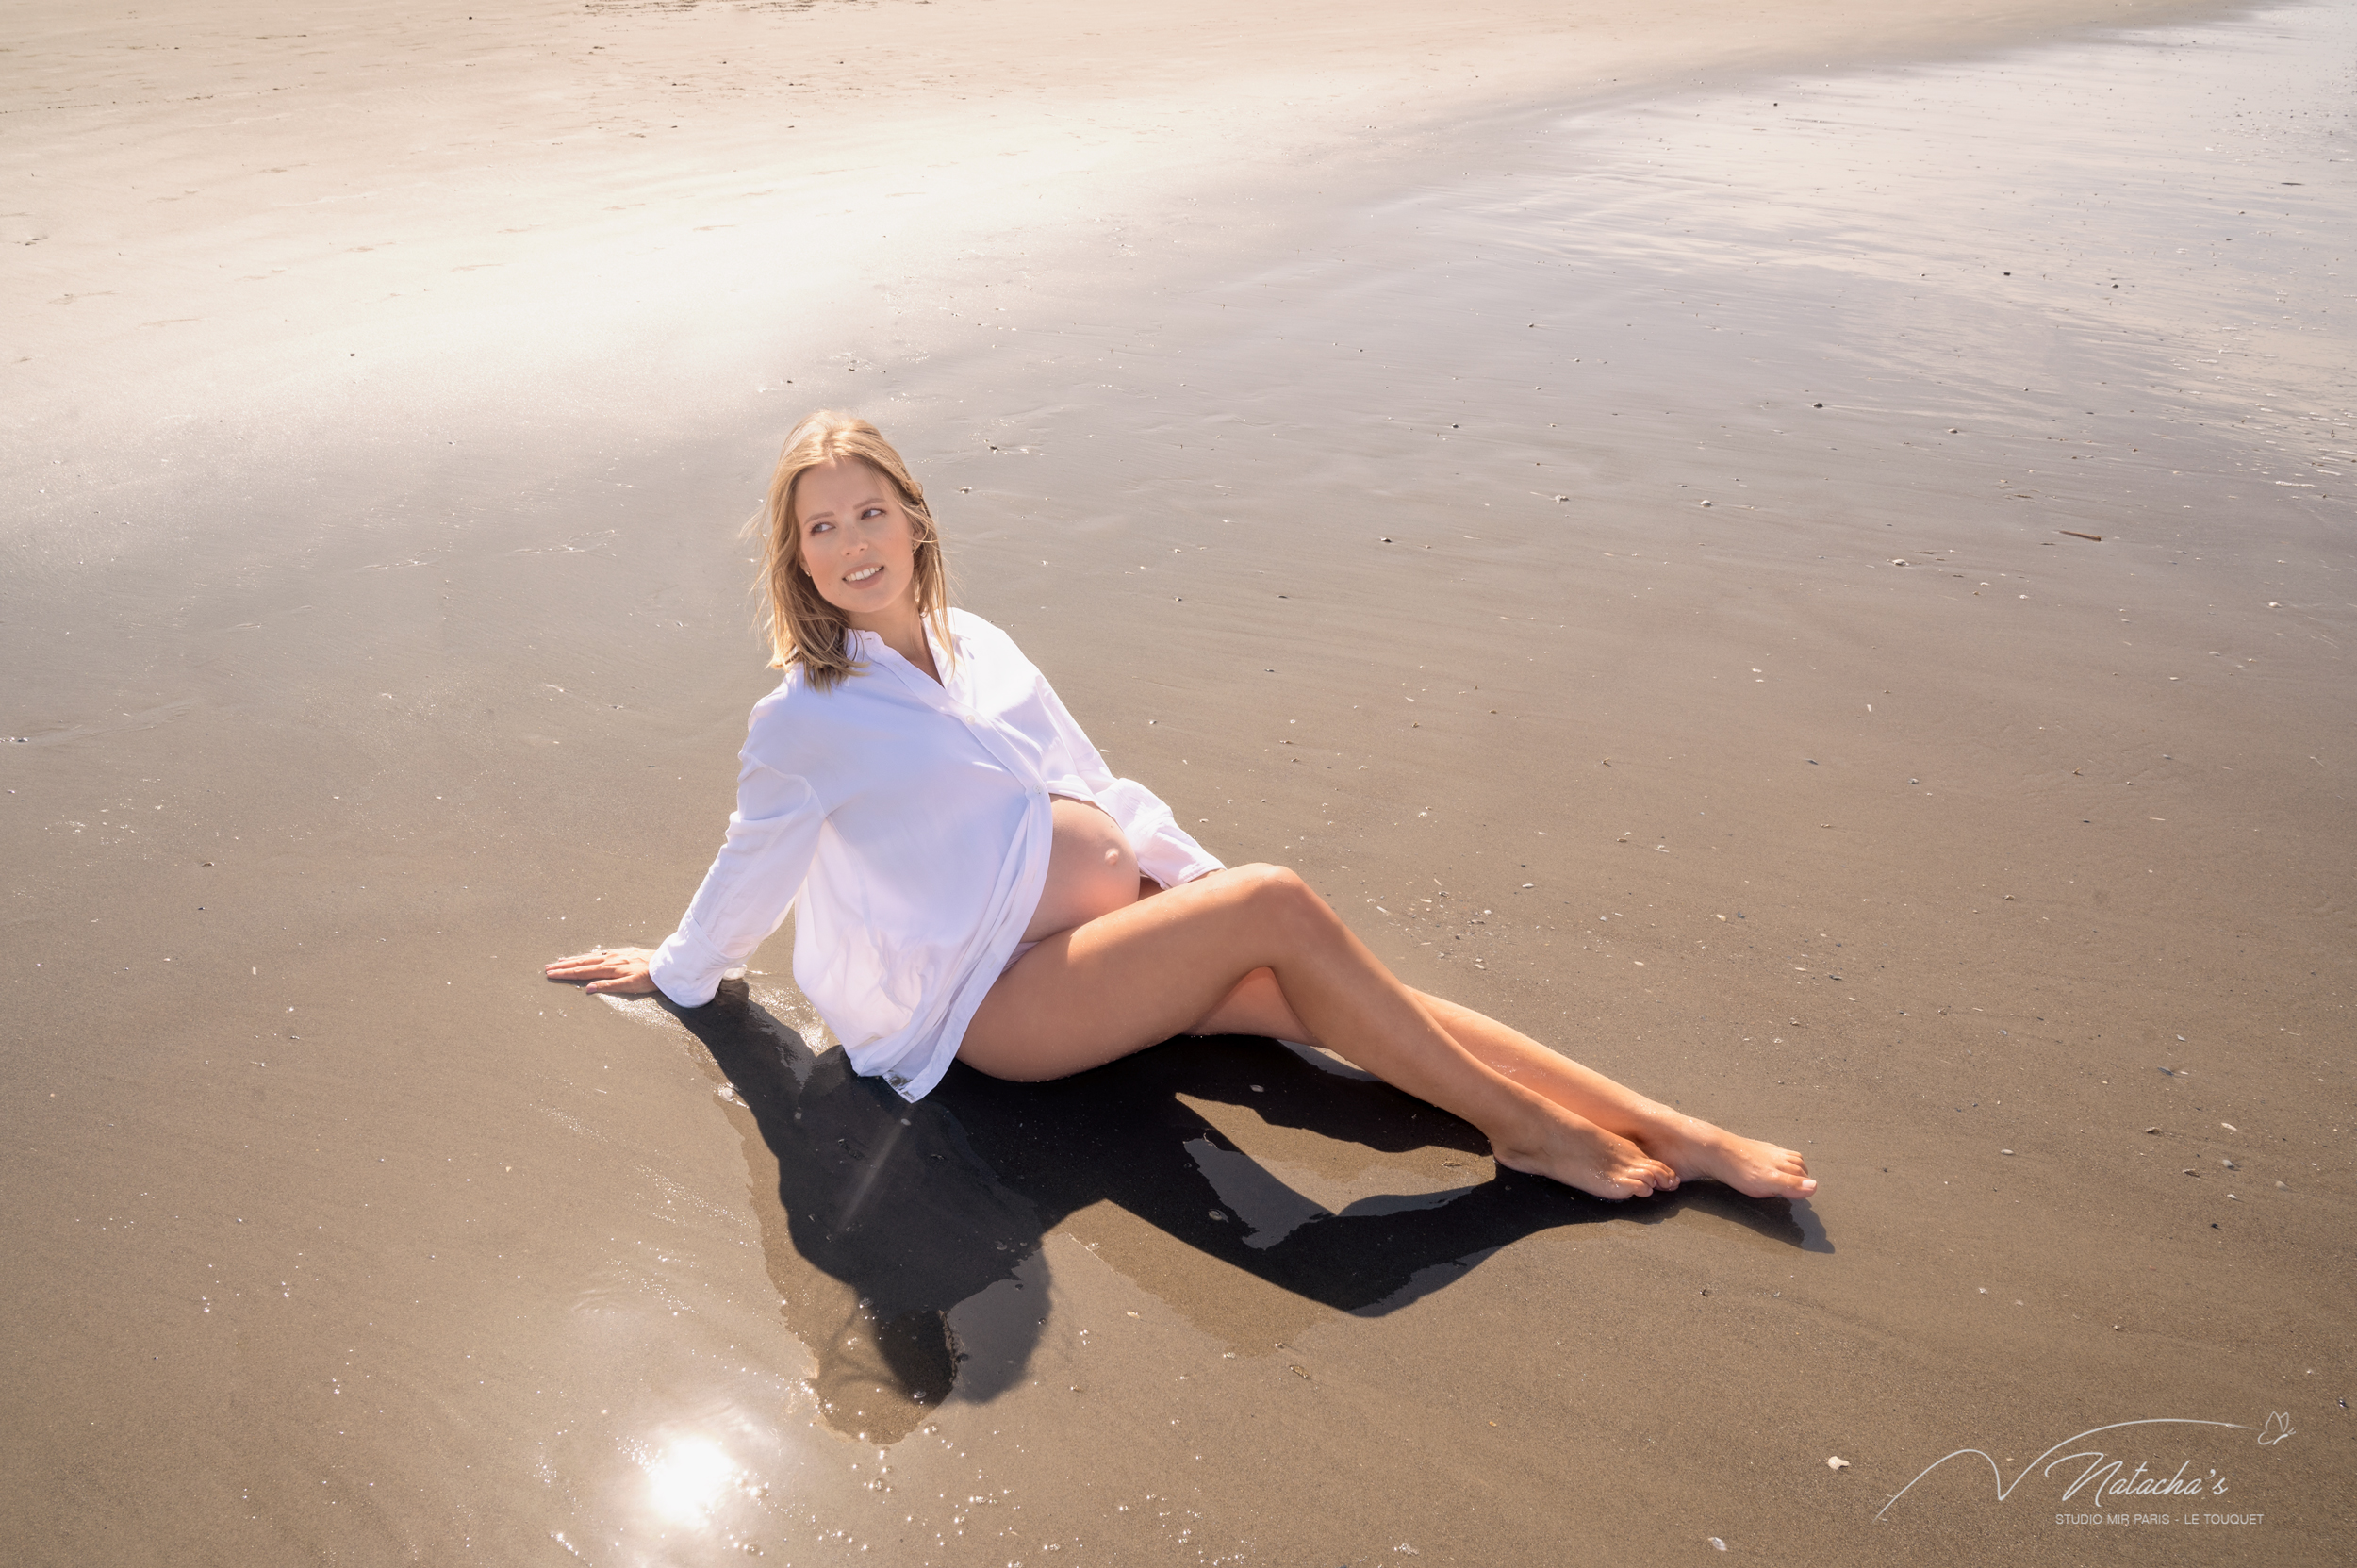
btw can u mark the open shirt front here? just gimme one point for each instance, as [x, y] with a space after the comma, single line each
[910, 819]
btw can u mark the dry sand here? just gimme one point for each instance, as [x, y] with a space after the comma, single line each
[1329, 402]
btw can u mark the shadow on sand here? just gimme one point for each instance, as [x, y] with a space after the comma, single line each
[917, 1209]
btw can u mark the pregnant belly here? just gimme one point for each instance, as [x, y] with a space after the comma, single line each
[1091, 870]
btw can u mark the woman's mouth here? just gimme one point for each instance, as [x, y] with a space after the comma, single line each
[863, 575]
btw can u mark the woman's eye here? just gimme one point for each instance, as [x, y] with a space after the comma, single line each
[820, 527]
[873, 512]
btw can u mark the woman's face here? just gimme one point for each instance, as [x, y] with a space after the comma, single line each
[857, 542]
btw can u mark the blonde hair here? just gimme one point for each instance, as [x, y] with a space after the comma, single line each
[804, 629]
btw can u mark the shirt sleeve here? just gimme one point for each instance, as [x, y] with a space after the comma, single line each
[1166, 851]
[773, 834]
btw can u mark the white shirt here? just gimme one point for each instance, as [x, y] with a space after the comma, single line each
[911, 820]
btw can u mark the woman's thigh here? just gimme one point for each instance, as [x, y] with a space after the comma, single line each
[1127, 980]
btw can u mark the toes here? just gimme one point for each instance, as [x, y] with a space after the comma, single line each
[1615, 1183]
[1646, 1178]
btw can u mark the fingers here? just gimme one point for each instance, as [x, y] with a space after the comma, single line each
[622, 969]
[615, 959]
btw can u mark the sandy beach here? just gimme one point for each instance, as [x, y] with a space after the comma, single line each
[1789, 552]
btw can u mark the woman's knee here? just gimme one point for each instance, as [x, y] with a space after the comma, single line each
[1265, 883]
[1280, 892]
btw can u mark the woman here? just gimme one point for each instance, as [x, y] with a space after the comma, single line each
[974, 883]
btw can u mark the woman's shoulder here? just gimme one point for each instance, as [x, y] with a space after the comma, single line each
[977, 638]
[794, 717]
[801, 714]
[967, 625]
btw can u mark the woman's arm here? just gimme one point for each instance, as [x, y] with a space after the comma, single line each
[1166, 851]
[773, 834]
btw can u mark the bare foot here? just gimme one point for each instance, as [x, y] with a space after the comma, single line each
[1570, 1149]
[1695, 1148]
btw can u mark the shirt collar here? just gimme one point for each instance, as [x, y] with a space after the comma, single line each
[869, 647]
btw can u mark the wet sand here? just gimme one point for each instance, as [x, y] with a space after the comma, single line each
[1957, 795]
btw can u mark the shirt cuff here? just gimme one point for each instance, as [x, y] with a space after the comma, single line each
[688, 969]
[1171, 866]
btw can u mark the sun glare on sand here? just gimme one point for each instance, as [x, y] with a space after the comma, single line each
[688, 1477]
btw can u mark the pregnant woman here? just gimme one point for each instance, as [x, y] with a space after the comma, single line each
[973, 883]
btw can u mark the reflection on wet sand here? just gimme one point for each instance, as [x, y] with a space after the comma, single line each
[889, 1217]
[687, 1479]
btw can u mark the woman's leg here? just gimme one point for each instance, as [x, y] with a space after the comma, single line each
[1687, 1145]
[1161, 965]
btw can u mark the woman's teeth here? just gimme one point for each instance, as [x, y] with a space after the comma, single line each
[863, 575]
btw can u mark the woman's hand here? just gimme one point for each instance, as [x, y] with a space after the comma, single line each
[622, 971]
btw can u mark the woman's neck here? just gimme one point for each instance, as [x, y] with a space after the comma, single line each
[902, 630]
